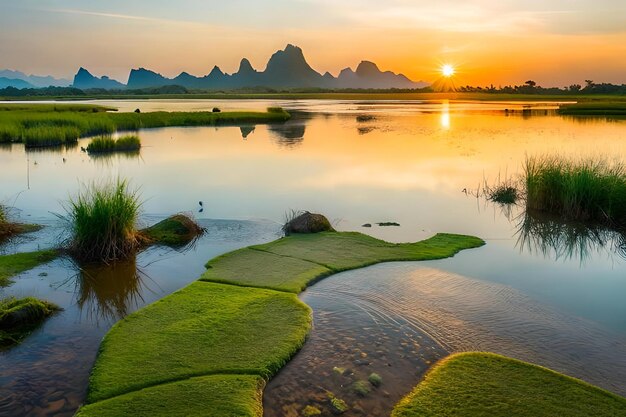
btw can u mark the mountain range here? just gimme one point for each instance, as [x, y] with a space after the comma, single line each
[286, 68]
[18, 79]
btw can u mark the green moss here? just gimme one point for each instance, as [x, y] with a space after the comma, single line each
[338, 405]
[205, 328]
[11, 265]
[257, 268]
[215, 395]
[209, 328]
[310, 411]
[361, 388]
[293, 262]
[375, 379]
[485, 384]
[175, 230]
[19, 317]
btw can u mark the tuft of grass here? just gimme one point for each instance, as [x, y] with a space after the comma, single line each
[176, 230]
[361, 388]
[503, 194]
[106, 144]
[485, 384]
[103, 220]
[375, 379]
[11, 265]
[19, 317]
[583, 190]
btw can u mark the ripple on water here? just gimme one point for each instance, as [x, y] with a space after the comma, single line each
[397, 319]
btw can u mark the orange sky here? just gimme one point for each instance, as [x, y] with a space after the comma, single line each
[555, 42]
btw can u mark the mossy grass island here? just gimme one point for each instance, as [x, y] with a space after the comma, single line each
[237, 325]
[485, 384]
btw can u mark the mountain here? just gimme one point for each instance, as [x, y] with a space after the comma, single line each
[12, 82]
[35, 80]
[84, 80]
[286, 68]
[367, 75]
[142, 78]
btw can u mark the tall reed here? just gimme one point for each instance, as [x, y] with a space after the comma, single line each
[586, 190]
[103, 220]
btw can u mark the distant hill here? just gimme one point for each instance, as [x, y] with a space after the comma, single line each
[285, 69]
[37, 81]
[85, 80]
[11, 82]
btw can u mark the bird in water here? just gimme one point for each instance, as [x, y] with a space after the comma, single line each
[82, 149]
[201, 206]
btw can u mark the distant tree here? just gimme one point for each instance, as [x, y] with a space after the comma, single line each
[531, 83]
[574, 88]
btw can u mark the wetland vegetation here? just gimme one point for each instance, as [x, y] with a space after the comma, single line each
[240, 301]
[485, 384]
[19, 317]
[54, 125]
[107, 144]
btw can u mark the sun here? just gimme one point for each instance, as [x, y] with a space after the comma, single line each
[447, 70]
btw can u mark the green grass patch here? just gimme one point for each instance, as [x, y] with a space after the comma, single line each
[294, 262]
[11, 265]
[584, 190]
[38, 125]
[106, 144]
[214, 395]
[103, 221]
[594, 108]
[485, 384]
[255, 268]
[19, 317]
[203, 329]
[176, 230]
[210, 328]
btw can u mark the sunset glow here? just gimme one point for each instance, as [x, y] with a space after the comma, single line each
[496, 44]
[447, 70]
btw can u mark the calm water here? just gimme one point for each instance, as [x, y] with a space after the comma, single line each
[409, 164]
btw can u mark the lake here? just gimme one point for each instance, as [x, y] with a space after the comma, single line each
[415, 163]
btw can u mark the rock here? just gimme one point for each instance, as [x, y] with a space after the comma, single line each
[367, 225]
[388, 224]
[216, 110]
[307, 223]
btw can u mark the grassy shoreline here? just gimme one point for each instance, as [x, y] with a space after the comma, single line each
[60, 124]
[241, 318]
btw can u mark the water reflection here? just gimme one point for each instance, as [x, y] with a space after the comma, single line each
[289, 134]
[109, 292]
[553, 237]
[246, 130]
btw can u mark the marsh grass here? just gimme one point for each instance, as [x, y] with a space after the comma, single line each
[19, 317]
[106, 144]
[39, 125]
[103, 221]
[582, 190]
[600, 108]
